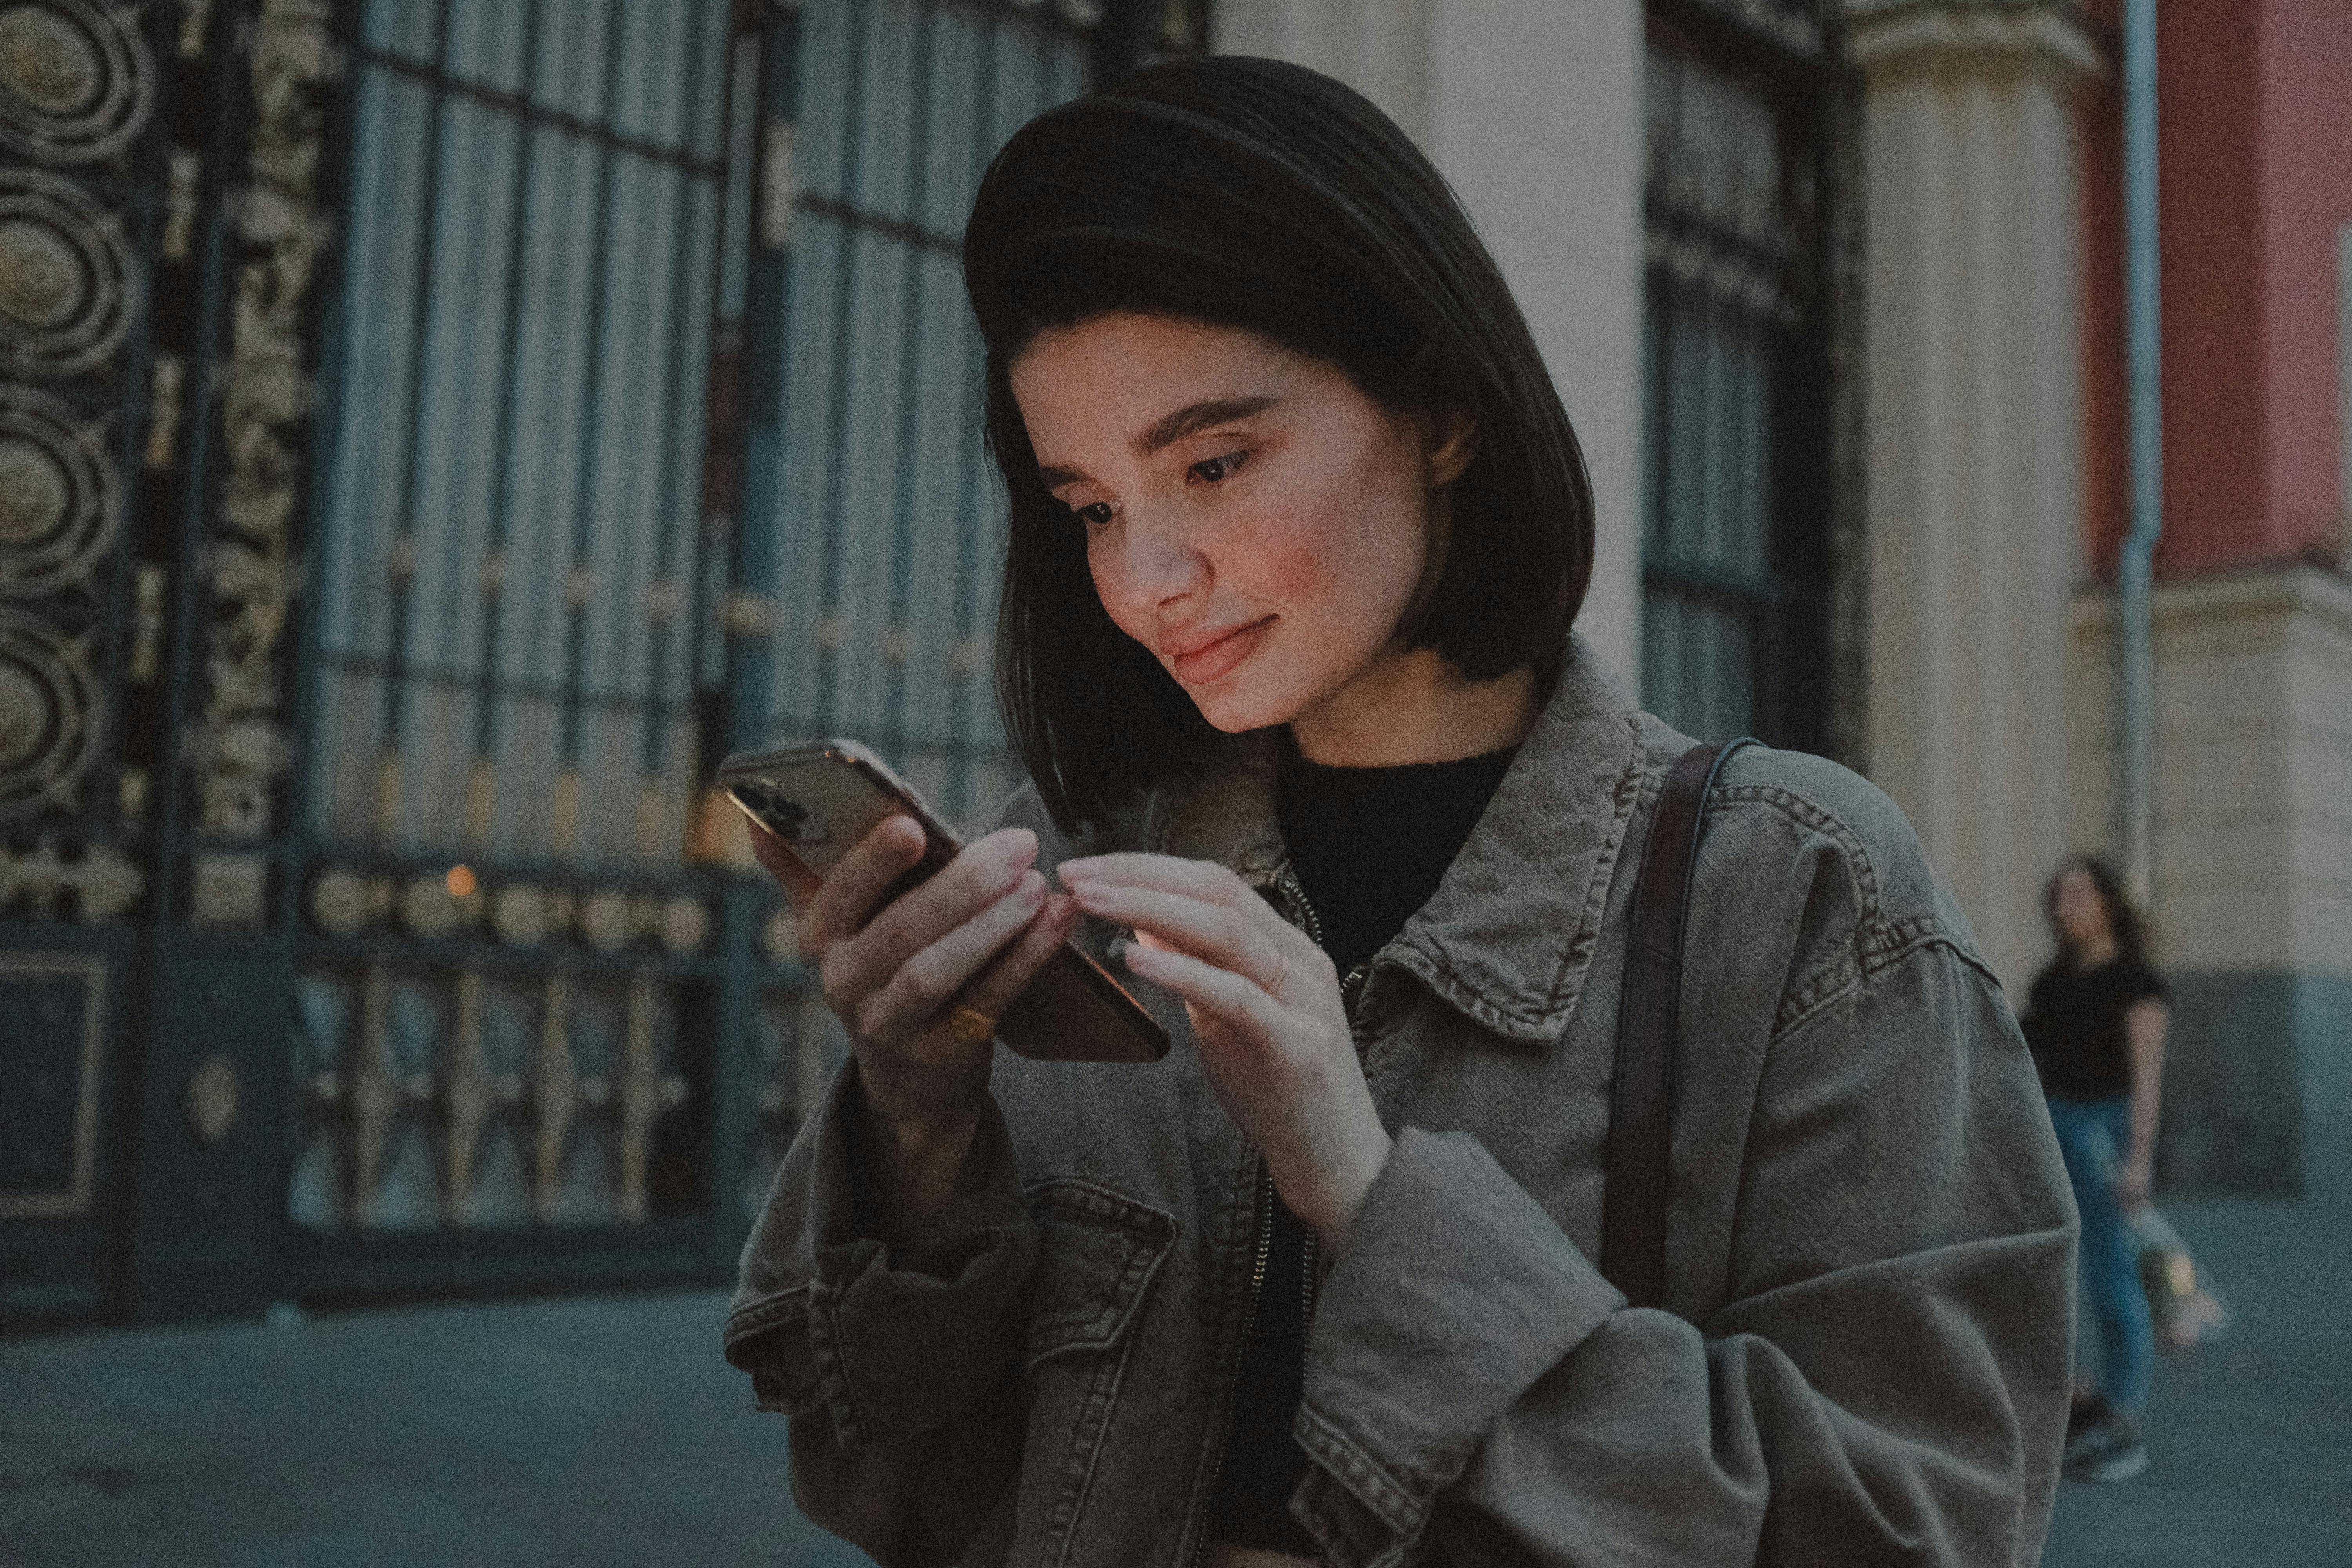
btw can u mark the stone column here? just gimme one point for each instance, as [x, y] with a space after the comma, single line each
[1532, 108]
[1973, 372]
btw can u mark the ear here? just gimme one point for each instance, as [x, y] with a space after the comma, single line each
[1453, 441]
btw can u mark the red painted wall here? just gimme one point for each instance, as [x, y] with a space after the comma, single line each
[2307, 111]
[2255, 175]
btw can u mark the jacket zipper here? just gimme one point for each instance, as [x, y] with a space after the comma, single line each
[1352, 986]
[1265, 1213]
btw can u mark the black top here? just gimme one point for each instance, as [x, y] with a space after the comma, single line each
[2073, 1024]
[1369, 846]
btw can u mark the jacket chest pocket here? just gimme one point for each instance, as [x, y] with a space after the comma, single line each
[1097, 1254]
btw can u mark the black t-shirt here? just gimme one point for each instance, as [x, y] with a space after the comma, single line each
[1369, 846]
[2073, 1024]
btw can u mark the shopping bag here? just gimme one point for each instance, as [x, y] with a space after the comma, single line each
[2185, 1312]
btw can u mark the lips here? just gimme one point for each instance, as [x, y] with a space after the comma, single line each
[1204, 658]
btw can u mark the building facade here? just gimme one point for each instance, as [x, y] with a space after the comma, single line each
[433, 431]
[1899, 549]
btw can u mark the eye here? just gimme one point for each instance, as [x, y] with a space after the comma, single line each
[1209, 470]
[1095, 516]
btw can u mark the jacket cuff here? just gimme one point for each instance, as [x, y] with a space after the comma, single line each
[1455, 1293]
[893, 1335]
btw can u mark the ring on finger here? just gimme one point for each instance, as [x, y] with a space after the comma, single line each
[968, 1026]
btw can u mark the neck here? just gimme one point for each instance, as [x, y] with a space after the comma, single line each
[2095, 953]
[1414, 707]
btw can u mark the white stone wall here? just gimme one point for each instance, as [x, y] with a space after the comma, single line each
[1532, 108]
[2252, 798]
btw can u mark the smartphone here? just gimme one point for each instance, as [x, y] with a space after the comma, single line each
[821, 799]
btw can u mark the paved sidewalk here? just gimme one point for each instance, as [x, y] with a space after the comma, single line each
[607, 1432]
[2249, 1439]
[572, 1433]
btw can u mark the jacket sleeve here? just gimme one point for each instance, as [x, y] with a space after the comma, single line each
[894, 1356]
[1885, 1383]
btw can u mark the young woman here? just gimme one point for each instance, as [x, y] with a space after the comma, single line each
[1298, 529]
[2096, 1021]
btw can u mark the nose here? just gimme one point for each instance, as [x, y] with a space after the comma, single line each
[1158, 564]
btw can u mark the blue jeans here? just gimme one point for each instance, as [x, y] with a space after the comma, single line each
[2090, 1134]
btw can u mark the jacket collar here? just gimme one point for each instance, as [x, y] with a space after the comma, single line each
[1510, 934]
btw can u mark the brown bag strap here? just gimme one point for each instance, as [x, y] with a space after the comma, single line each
[1642, 1091]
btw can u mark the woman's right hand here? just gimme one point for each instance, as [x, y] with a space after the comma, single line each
[973, 935]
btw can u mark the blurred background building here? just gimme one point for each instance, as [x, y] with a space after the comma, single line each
[434, 431]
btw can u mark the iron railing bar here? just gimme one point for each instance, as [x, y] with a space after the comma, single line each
[835, 209]
[412, 438]
[493, 587]
[748, 665]
[592, 394]
[447, 954]
[456, 678]
[655, 750]
[715, 658]
[308, 766]
[518, 104]
[974, 465]
[1047, 18]
[910, 351]
[844, 292]
[228, 118]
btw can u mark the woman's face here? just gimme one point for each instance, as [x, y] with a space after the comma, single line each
[1251, 516]
[2078, 909]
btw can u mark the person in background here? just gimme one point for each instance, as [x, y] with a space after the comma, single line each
[2094, 1021]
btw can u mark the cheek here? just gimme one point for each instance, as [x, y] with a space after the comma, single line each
[1337, 548]
[1294, 560]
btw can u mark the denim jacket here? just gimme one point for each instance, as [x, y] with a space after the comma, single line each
[1866, 1353]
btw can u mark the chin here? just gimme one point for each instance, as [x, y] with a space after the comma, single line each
[1238, 711]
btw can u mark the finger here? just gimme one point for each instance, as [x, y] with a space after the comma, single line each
[1230, 938]
[1238, 1003]
[1000, 984]
[931, 978]
[1169, 873]
[800, 883]
[980, 874]
[845, 901]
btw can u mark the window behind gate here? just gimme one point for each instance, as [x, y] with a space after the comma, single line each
[1735, 494]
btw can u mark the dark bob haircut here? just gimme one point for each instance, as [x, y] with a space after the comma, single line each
[1251, 194]
[2124, 920]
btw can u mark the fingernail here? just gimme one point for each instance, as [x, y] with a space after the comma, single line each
[1031, 887]
[1084, 867]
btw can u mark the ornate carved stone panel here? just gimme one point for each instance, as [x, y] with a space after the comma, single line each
[241, 747]
[79, 164]
[77, 80]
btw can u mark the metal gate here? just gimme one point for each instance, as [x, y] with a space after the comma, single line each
[434, 432]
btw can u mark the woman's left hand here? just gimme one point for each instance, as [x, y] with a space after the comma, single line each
[1265, 1005]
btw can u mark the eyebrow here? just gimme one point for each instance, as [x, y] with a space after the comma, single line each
[1170, 429]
